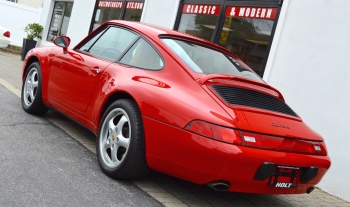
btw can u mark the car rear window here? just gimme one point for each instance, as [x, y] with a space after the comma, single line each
[208, 61]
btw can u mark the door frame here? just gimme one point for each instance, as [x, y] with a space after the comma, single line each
[224, 4]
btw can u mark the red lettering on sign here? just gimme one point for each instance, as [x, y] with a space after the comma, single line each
[134, 5]
[201, 9]
[251, 12]
[110, 4]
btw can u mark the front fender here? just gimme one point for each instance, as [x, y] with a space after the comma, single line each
[43, 55]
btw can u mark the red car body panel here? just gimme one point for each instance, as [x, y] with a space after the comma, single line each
[81, 86]
[73, 80]
[178, 156]
[267, 122]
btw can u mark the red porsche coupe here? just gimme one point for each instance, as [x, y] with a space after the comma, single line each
[167, 101]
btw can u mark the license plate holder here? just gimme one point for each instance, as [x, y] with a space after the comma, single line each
[285, 177]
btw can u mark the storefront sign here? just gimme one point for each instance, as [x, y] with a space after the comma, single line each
[201, 9]
[110, 4]
[134, 5]
[251, 12]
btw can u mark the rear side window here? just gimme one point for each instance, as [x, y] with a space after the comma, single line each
[109, 43]
[208, 61]
[143, 55]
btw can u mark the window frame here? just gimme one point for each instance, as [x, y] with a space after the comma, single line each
[122, 13]
[105, 28]
[61, 22]
[209, 2]
[220, 22]
[223, 51]
[153, 47]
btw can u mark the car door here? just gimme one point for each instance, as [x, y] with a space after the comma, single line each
[75, 74]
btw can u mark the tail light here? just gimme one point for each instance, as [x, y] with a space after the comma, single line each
[237, 137]
[215, 132]
[7, 34]
[283, 144]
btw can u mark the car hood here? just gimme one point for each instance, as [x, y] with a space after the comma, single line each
[256, 107]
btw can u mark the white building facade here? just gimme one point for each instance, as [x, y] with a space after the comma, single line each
[24, 15]
[300, 47]
[31, 3]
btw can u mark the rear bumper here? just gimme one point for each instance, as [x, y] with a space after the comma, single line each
[243, 167]
[188, 156]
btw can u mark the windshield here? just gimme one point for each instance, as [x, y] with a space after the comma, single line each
[207, 61]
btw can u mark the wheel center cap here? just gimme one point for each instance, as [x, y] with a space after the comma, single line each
[113, 137]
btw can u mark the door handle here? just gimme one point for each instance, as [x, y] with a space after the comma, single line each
[95, 70]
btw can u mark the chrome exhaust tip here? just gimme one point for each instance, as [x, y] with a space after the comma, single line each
[219, 185]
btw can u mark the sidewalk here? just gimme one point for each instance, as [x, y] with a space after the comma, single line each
[168, 190]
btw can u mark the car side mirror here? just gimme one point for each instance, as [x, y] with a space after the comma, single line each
[62, 41]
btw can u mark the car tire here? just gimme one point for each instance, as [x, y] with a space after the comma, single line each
[120, 143]
[31, 97]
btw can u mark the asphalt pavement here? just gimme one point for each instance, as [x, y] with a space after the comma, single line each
[43, 164]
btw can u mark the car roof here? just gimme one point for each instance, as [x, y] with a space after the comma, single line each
[151, 29]
[145, 27]
[154, 31]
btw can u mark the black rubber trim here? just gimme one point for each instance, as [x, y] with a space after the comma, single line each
[265, 171]
[307, 174]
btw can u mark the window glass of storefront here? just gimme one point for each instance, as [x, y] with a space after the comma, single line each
[106, 11]
[60, 19]
[114, 10]
[243, 27]
[247, 32]
[133, 11]
[199, 20]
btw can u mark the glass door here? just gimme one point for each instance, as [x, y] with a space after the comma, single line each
[247, 30]
[60, 19]
[133, 11]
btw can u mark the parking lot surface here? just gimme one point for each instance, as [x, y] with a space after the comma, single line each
[40, 165]
[169, 191]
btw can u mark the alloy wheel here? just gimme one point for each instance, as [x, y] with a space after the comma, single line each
[115, 137]
[30, 87]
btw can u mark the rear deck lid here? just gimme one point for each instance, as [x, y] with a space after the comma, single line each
[253, 104]
[257, 107]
